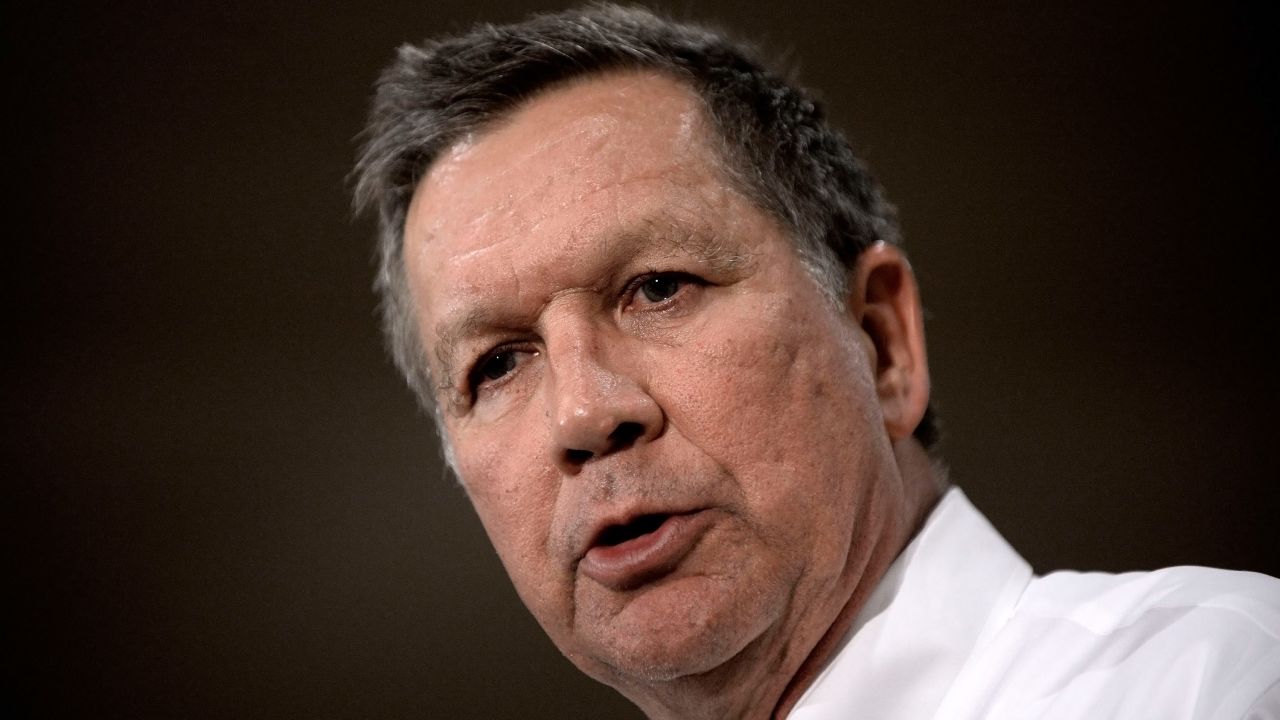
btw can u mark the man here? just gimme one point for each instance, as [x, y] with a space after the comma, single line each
[677, 362]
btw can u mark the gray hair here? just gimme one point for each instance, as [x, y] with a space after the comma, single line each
[771, 136]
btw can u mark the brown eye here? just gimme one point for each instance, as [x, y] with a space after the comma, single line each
[660, 287]
[496, 366]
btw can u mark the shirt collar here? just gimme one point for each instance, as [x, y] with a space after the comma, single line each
[952, 587]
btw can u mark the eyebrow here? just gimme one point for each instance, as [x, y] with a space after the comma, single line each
[707, 247]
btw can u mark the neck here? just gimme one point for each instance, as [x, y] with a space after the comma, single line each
[923, 482]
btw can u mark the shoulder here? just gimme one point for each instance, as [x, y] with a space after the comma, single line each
[1186, 642]
[1105, 603]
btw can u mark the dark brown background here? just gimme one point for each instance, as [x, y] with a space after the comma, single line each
[225, 505]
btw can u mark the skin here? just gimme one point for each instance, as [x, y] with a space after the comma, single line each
[616, 331]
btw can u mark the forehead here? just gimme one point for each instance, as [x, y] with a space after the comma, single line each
[562, 165]
[563, 145]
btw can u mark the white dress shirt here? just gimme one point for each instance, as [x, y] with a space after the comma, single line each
[960, 628]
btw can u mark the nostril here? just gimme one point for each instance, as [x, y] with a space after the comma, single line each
[625, 435]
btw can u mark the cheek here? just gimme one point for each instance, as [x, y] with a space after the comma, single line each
[766, 376]
[514, 500]
[780, 395]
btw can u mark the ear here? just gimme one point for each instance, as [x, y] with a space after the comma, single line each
[885, 301]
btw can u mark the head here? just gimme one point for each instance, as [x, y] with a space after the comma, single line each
[770, 136]
[655, 306]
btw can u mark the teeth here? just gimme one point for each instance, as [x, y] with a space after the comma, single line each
[618, 534]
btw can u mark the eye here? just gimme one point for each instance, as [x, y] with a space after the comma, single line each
[493, 368]
[668, 295]
[662, 291]
[659, 288]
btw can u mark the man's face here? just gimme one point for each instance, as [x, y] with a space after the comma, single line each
[672, 438]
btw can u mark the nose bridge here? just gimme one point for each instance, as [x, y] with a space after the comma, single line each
[580, 370]
[596, 403]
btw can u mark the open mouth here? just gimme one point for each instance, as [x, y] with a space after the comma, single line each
[637, 527]
[627, 555]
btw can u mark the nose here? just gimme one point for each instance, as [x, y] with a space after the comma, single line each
[596, 410]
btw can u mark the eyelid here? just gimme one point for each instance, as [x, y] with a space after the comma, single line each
[471, 380]
[632, 288]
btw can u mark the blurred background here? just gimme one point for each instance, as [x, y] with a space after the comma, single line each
[224, 504]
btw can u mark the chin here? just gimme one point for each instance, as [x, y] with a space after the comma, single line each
[672, 632]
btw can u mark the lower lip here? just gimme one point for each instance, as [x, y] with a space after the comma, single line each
[639, 560]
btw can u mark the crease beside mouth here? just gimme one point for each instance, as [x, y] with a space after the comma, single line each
[642, 525]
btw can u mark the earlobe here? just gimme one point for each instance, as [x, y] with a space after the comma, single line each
[885, 301]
